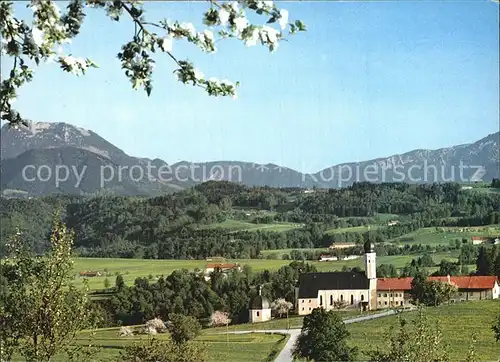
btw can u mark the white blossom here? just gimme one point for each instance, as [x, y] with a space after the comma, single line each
[69, 60]
[209, 36]
[270, 33]
[38, 36]
[253, 38]
[268, 4]
[189, 27]
[3, 46]
[198, 74]
[219, 318]
[241, 23]
[157, 324]
[223, 16]
[234, 5]
[125, 331]
[283, 20]
[166, 44]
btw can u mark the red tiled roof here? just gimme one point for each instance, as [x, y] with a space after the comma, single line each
[470, 282]
[462, 282]
[394, 283]
[222, 265]
[480, 238]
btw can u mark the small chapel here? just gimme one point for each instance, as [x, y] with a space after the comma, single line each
[260, 309]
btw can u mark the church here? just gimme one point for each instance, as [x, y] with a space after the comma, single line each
[351, 289]
[362, 290]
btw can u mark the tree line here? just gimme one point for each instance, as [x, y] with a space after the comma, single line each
[182, 225]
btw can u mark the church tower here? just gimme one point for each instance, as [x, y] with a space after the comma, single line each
[371, 273]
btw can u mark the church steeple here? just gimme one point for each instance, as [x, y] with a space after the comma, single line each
[370, 260]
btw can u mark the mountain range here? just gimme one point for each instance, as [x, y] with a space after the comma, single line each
[54, 158]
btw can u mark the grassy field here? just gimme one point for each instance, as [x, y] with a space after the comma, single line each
[354, 229]
[238, 225]
[282, 323]
[436, 236]
[485, 189]
[134, 268]
[248, 347]
[457, 322]
[280, 252]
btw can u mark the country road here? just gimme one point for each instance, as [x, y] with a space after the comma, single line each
[286, 353]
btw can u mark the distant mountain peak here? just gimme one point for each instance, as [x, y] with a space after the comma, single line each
[59, 143]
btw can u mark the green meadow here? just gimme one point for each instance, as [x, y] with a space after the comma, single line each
[131, 269]
[238, 225]
[457, 322]
[353, 229]
[220, 348]
[443, 235]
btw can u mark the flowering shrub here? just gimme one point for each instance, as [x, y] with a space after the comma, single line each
[125, 331]
[51, 30]
[219, 318]
[281, 306]
[149, 330]
[156, 324]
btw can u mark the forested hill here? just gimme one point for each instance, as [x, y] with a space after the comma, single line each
[222, 218]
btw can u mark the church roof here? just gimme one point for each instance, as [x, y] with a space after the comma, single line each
[310, 283]
[260, 303]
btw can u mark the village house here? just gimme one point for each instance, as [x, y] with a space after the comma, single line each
[363, 290]
[223, 267]
[478, 240]
[328, 257]
[341, 246]
[393, 222]
[90, 274]
[394, 292]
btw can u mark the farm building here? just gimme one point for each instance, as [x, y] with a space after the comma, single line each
[223, 267]
[327, 257]
[393, 292]
[478, 240]
[88, 274]
[341, 246]
[365, 291]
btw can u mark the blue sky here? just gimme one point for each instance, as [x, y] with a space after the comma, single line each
[367, 80]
